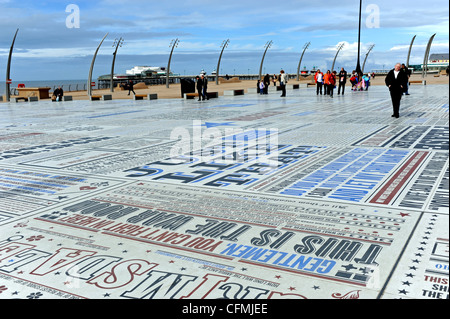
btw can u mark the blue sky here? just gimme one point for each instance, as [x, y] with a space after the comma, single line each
[47, 49]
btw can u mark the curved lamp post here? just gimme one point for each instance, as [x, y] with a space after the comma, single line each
[365, 59]
[358, 66]
[223, 46]
[89, 88]
[8, 69]
[339, 49]
[267, 46]
[409, 51]
[173, 44]
[425, 58]
[300, 62]
[117, 43]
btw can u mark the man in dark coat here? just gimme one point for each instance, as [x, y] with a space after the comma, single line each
[342, 81]
[199, 88]
[396, 81]
[204, 88]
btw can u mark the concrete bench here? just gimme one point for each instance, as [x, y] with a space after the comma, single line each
[104, 97]
[293, 86]
[67, 98]
[33, 99]
[17, 99]
[210, 95]
[234, 92]
[153, 96]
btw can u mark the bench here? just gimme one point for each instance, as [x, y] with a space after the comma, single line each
[293, 86]
[234, 92]
[67, 98]
[153, 96]
[33, 99]
[210, 95]
[18, 98]
[104, 97]
[416, 82]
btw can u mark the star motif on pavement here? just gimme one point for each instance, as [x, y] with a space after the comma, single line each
[404, 214]
[413, 268]
[407, 283]
[403, 291]
[416, 261]
[278, 277]
[292, 288]
[316, 287]
[410, 275]
[107, 295]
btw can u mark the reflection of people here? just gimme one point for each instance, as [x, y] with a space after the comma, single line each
[58, 93]
[396, 81]
[130, 87]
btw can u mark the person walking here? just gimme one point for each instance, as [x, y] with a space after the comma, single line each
[283, 82]
[205, 88]
[396, 81]
[130, 87]
[326, 82]
[408, 74]
[342, 81]
[318, 78]
[266, 84]
[199, 87]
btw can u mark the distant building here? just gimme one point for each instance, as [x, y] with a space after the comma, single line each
[438, 61]
[137, 70]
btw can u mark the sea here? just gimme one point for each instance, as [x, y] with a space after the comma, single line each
[66, 85]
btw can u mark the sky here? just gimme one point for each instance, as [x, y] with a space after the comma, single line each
[57, 39]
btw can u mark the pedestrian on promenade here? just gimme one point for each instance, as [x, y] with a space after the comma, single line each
[396, 81]
[199, 87]
[326, 82]
[58, 94]
[130, 87]
[318, 78]
[274, 79]
[205, 87]
[261, 87]
[408, 74]
[342, 81]
[283, 82]
[266, 84]
[354, 79]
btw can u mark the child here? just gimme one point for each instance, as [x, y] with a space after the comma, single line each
[261, 87]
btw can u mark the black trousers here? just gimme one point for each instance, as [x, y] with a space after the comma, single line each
[319, 88]
[283, 89]
[341, 85]
[330, 88]
[396, 96]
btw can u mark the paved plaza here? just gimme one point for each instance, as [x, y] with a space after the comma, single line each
[241, 197]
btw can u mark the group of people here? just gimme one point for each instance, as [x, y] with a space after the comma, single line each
[326, 81]
[360, 82]
[202, 87]
[264, 83]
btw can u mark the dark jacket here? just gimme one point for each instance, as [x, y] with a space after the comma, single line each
[199, 84]
[343, 76]
[398, 84]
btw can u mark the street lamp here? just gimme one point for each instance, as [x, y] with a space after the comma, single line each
[8, 68]
[339, 49]
[267, 46]
[223, 46]
[117, 43]
[173, 44]
[89, 88]
[358, 66]
[301, 57]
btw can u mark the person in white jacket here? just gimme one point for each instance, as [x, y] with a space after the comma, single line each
[283, 82]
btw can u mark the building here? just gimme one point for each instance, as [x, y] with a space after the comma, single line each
[438, 61]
